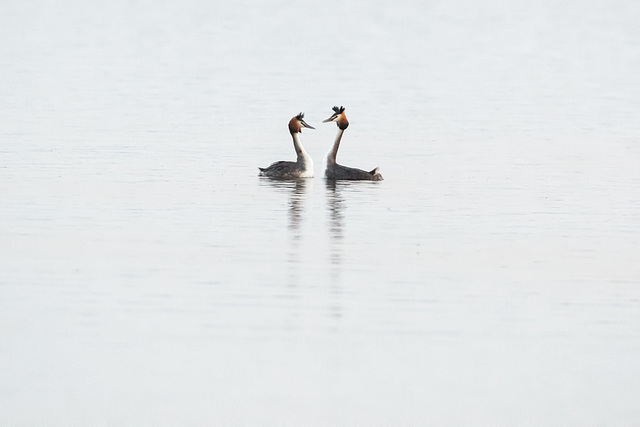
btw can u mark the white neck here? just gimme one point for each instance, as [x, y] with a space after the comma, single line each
[331, 157]
[303, 158]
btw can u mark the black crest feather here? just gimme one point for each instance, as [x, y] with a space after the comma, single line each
[300, 116]
[338, 110]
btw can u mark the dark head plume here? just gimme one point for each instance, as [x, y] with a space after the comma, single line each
[338, 110]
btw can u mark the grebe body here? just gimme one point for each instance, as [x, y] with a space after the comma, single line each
[303, 166]
[338, 172]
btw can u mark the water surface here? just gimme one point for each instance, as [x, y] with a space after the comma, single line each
[149, 276]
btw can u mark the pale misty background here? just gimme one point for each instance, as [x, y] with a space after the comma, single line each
[148, 276]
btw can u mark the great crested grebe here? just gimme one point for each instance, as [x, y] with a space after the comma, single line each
[303, 166]
[336, 171]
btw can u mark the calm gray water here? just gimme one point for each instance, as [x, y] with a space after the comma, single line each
[149, 276]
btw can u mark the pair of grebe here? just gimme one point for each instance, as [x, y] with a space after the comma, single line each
[303, 166]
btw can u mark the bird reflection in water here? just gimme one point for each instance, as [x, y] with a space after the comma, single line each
[296, 190]
[298, 216]
[335, 207]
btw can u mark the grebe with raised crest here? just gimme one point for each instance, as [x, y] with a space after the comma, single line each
[339, 172]
[303, 166]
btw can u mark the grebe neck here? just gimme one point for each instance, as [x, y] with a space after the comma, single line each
[303, 157]
[331, 157]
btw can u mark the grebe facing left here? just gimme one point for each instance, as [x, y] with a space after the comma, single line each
[336, 171]
[303, 166]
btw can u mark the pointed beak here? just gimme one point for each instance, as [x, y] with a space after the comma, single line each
[303, 123]
[330, 119]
